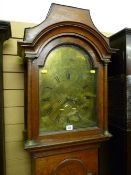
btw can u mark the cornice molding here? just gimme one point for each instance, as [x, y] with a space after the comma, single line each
[5, 30]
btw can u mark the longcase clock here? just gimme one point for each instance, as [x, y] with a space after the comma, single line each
[66, 60]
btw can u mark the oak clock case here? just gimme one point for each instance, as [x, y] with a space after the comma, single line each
[65, 60]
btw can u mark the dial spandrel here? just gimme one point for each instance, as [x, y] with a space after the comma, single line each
[67, 90]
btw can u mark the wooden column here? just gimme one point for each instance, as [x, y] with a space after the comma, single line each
[5, 34]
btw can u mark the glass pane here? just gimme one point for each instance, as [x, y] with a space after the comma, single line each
[67, 90]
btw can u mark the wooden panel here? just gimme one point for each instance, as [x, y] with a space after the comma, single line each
[17, 166]
[57, 164]
[15, 150]
[12, 63]
[10, 47]
[16, 78]
[13, 98]
[18, 28]
[129, 152]
[14, 115]
[14, 132]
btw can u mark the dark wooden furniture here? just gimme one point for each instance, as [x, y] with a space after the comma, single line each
[5, 34]
[120, 103]
[66, 60]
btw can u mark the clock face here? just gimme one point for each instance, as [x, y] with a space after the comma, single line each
[67, 90]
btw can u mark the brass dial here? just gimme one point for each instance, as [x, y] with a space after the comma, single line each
[67, 90]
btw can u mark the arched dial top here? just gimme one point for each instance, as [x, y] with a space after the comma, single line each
[67, 90]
